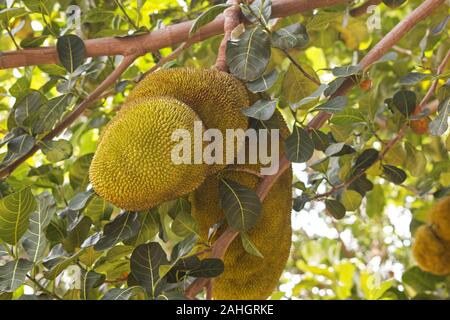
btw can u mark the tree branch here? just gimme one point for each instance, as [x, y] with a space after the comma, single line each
[231, 21]
[169, 36]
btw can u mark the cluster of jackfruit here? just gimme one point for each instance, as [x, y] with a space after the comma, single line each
[133, 169]
[132, 166]
[248, 276]
[431, 248]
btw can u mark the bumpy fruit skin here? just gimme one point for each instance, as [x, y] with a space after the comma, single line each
[132, 166]
[431, 253]
[216, 96]
[247, 276]
[439, 217]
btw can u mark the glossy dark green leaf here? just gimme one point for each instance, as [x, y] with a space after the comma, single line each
[18, 147]
[58, 150]
[248, 56]
[28, 106]
[335, 208]
[261, 109]
[209, 268]
[299, 146]
[61, 265]
[148, 229]
[49, 114]
[439, 125]
[265, 82]
[71, 51]
[241, 205]
[334, 105]
[293, 36]
[405, 102]
[207, 16]
[259, 11]
[394, 174]
[123, 227]
[145, 262]
[13, 274]
[80, 200]
[365, 160]
[320, 140]
[90, 280]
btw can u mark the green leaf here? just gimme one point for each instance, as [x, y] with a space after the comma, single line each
[394, 174]
[9, 13]
[71, 51]
[145, 262]
[80, 200]
[261, 109]
[122, 294]
[405, 102]
[298, 90]
[62, 265]
[49, 114]
[293, 36]
[241, 205]
[18, 147]
[77, 232]
[348, 117]
[365, 160]
[439, 125]
[90, 280]
[184, 225]
[420, 280]
[27, 107]
[351, 200]
[346, 71]
[311, 98]
[415, 160]
[79, 172]
[98, 209]
[258, 11]
[20, 88]
[56, 151]
[208, 268]
[207, 16]
[335, 208]
[375, 202]
[320, 140]
[394, 3]
[265, 82]
[13, 274]
[248, 56]
[123, 227]
[333, 105]
[249, 246]
[414, 78]
[15, 211]
[34, 241]
[299, 145]
[148, 229]
[33, 42]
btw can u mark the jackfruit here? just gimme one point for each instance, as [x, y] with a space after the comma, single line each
[132, 166]
[216, 96]
[439, 217]
[247, 276]
[431, 253]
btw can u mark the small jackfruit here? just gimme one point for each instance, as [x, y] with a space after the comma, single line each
[216, 96]
[132, 166]
[431, 253]
[439, 217]
[247, 276]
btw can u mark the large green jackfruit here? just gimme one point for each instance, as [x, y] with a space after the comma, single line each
[132, 166]
[247, 276]
[217, 97]
[439, 217]
[431, 253]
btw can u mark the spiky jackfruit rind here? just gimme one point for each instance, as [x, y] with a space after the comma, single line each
[439, 217]
[247, 276]
[431, 253]
[132, 166]
[216, 96]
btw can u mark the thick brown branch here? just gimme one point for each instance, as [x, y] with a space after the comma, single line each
[404, 26]
[127, 61]
[231, 21]
[170, 36]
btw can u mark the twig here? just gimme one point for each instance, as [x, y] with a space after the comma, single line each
[231, 21]
[127, 61]
[43, 289]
